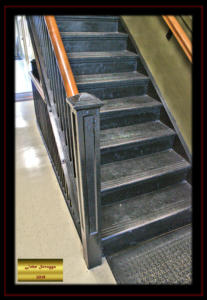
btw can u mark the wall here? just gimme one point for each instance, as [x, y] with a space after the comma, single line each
[169, 67]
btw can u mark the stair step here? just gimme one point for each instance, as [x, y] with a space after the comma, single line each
[114, 137]
[82, 56]
[94, 41]
[127, 178]
[87, 23]
[102, 62]
[86, 17]
[131, 141]
[109, 78]
[129, 110]
[143, 217]
[166, 260]
[113, 85]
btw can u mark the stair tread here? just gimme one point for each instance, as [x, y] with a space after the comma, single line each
[127, 103]
[144, 209]
[101, 55]
[133, 133]
[65, 17]
[166, 260]
[120, 173]
[94, 34]
[109, 77]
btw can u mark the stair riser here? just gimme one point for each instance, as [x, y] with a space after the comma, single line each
[144, 186]
[94, 44]
[136, 149]
[129, 117]
[117, 90]
[131, 238]
[101, 67]
[87, 26]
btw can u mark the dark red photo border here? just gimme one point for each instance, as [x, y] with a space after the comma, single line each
[6, 7]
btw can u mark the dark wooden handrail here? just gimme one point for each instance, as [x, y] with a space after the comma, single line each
[180, 35]
[61, 56]
[38, 86]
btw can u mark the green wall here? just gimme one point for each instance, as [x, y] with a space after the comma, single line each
[169, 66]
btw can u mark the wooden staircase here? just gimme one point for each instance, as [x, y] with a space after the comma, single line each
[144, 170]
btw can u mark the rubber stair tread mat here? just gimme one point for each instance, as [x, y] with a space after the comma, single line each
[144, 209]
[102, 17]
[166, 259]
[99, 55]
[129, 103]
[133, 133]
[109, 77]
[96, 34]
[140, 168]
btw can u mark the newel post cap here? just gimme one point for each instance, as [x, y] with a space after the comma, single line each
[84, 101]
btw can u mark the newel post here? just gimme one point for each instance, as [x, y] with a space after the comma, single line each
[85, 119]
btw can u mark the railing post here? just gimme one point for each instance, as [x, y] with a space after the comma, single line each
[85, 119]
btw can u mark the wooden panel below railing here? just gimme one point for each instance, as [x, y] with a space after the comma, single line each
[180, 35]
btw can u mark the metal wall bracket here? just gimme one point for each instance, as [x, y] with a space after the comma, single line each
[169, 34]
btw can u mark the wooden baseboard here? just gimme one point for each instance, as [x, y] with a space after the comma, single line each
[23, 96]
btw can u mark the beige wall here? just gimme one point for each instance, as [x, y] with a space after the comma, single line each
[169, 67]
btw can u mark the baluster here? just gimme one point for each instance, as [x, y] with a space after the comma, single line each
[59, 98]
[63, 104]
[49, 54]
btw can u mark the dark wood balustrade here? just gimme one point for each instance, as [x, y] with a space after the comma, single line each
[69, 124]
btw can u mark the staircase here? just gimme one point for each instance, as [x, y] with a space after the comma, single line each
[144, 187]
[145, 171]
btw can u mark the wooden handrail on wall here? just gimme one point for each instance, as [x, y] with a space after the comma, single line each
[180, 35]
[62, 59]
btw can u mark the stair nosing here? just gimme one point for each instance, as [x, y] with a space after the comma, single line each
[111, 81]
[150, 105]
[108, 18]
[92, 35]
[129, 56]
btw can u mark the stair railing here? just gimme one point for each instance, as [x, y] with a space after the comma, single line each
[180, 35]
[69, 122]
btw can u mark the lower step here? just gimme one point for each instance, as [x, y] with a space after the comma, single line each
[166, 260]
[144, 217]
